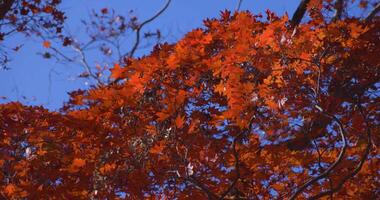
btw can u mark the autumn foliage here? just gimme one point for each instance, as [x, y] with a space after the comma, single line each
[248, 107]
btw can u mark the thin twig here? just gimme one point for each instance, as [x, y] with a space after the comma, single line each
[239, 5]
[320, 164]
[192, 179]
[61, 54]
[86, 65]
[138, 29]
[342, 133]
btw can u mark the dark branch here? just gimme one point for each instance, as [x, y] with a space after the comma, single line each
[209, 194]
[5, 6]
[237, 169]
[237, 162]
[358, 167]
[325, 174]
[138, 29]
[239, 5]
[299, 13]
[373, 13]
[339, 5]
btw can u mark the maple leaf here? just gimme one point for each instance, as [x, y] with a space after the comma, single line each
[157, 148]
[10, 189]
[46, 44]
[117, 71]
[77, 164]
[179, 121]
[107, 168]
[162, 116]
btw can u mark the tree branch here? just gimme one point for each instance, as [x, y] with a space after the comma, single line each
[138, 29]
[209, 194]
[85, 64]
[237, 169]
[299, 13]
[373, 13]
[358, 167]
[337, 161]
[238, 5]
[236, 156]
[339, 9]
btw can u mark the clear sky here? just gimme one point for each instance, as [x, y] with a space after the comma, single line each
[37, 81]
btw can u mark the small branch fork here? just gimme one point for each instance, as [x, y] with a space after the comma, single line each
[237, 162]
[295, 21]
[138, 30]
[211, 195]
[359, 165]
[85, 64]
[342, 134]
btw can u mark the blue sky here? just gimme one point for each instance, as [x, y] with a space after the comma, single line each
[34, 80]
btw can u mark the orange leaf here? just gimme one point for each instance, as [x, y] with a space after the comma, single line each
[162, 116]
[117, 71]
[48, 9]
[157, 149]
[78, 162]
[10, 189]
[46, 44]
[40, 187]
[179, 121]
[107, 168]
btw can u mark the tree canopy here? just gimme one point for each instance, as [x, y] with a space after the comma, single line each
[247, 107]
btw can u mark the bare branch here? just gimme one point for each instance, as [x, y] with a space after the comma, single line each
[373, 13]
[138, 29]
[61, 54]
[299, 13]
[85, 64]
[342, 133]
[239, 5]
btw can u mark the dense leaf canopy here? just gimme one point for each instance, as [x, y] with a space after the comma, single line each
[243, 108]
